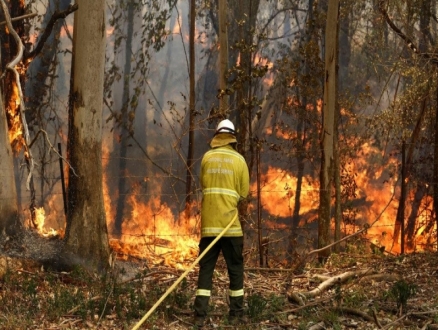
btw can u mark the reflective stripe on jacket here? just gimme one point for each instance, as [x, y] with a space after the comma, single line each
[224, 181]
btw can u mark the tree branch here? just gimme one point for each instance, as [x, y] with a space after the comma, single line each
[405, 38]
[18, 18]
[46, 34]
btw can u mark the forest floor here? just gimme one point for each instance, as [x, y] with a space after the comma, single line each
[356, 290]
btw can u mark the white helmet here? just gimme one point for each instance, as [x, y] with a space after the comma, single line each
[225, 126]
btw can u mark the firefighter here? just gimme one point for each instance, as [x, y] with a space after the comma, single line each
[224, 180]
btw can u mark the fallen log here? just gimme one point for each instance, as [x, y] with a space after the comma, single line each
[300, 297]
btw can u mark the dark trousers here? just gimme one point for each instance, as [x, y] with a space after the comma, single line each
[232, 248]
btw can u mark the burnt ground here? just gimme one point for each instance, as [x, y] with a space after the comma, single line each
[355, 290]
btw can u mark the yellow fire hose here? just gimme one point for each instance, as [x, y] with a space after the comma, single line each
[145, 317]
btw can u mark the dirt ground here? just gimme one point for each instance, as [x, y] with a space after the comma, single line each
[356, 290]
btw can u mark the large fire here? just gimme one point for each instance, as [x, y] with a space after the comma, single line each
[153, 233]
[150, 233]
[377, 191]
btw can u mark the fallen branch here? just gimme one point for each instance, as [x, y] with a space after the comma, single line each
[387, 326]
[313, 303]
[138, 278]
[317, 326]
[339, 279]
[376, 319]
[356, 312]
[425, 326]
[75, 309]
[256, 269]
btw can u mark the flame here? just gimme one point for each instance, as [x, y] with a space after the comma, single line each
[376, 199]
[109, 211]
[153, 233]
[278, 192]
[40, 224]
[263, 61]
[15, 127]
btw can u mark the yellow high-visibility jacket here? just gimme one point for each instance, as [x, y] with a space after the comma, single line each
[224, 180]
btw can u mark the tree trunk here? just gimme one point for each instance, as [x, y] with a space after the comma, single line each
[407, 160]
[435, 166]
[420, 192]
[242, 26]
[337, 183]
[10, 223]
[328, 131]
[126, 127]
[344, 51]
[192, 110]
[86, 240]
[399, 228]
[9, 220]
[223, 55]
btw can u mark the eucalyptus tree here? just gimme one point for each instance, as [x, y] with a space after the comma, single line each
[328, 135]
[10, 221]
[10, 107]
[86, 236]
[192, 109]
[223, 56]
[15, 93]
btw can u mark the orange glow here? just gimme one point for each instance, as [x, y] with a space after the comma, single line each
[109, 211]
[41, 227]
[319, 105]
[278, 192]
[283, 134]
[152, 232]
[15, 127]
[375, 188]
[177, 26]
[269, 78]
[258, 60]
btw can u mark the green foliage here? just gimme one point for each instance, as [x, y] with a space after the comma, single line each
[64, 300]
[256, 307]
[353, 298]
[302, 326]
[182, 295]
[88, 297]
[401, 292]
[261, 308]
[332, 318]
[140, 26]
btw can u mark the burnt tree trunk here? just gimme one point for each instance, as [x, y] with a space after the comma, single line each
[10, 223]
[9, 219]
